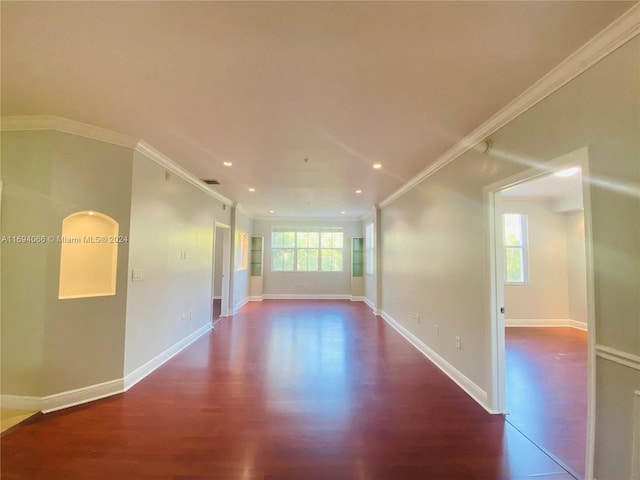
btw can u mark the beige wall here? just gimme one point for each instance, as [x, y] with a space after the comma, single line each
[169, 218]
[546, 293]
[307, 283]
[51, 345]
[576, 266]
[243, 224]
[434, 238]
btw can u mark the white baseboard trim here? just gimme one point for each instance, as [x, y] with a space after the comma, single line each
[372, 306]
[144, 370]
[578, 324]
[71, 398]
[58, 401]
[21, 402]
[240, 305]
[356, 298]
[473, 390]
[256, 298]
[305, 296]
[545, 322]
[217, 297]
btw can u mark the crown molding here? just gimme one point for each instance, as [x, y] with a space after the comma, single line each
[151, 153]
[50, 122]
[612, 37]
[371, 211]
[59, 124]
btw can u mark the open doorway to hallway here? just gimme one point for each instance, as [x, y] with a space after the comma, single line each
[545, 320]
[221, 265]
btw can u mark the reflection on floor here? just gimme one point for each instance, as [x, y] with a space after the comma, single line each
[284, 390]
[10, 417]
[546, 373]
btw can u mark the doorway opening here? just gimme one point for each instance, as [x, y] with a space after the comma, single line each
[541, 308]
[221, 266]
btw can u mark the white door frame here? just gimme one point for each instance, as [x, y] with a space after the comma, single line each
[495, 268]
[226, 267]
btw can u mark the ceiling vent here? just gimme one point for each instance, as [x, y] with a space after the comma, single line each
[211, 182]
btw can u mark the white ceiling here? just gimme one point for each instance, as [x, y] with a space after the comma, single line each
[549, 187]
[267, 84]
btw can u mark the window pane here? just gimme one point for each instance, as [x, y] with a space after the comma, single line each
[515, 265]
[326, 261]
[336, 264]
[277, 240]
[277, 262]
[337, 240]
[302, 260]
[325, 240]
[513, 229]
[302, 239]
[314, 239]
[287, 257]
[289, 239]
[312, 256]
[331, 260]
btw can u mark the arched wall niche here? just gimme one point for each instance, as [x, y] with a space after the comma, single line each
[88, 255]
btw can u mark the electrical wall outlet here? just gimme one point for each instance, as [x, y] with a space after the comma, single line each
[458, 343]
[437, 327]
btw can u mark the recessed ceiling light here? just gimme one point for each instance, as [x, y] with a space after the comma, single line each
[567, 172]
[342, 213]
[252, 189]
[358, 191]
[272, 211]
[227, 164]
[377, 166]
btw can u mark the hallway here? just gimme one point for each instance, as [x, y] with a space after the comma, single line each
[285, 390]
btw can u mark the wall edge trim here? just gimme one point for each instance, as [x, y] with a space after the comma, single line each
[65, 125]
[372, 306]
[618, 356]
[305, 296]
[617, 33]
[469, 387]
[161, 159]
[545, 322]
[71, 398]
[241, 304]
[149, 367]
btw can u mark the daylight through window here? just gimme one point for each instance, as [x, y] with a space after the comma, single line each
[515, 251]
[307, 250]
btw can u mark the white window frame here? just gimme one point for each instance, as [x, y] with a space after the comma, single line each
[296, 249]
[523, 247]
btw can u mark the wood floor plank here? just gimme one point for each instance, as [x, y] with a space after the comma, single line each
[546, 380]
[285, 390]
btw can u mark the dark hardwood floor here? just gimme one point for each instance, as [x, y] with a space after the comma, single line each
[546, 381]
[285, 390]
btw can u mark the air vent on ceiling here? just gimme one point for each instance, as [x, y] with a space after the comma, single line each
[211, 182]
